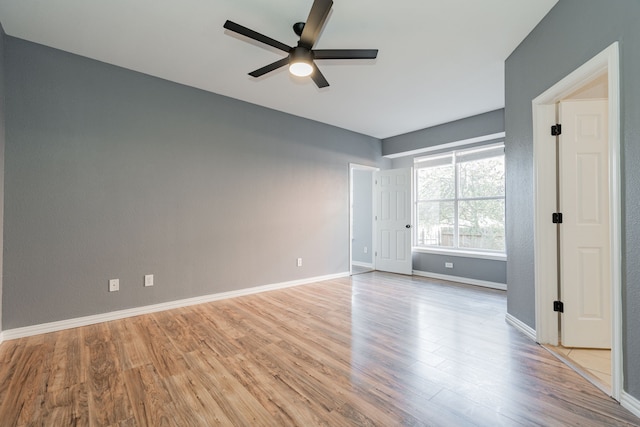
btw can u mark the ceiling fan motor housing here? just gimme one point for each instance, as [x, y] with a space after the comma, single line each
[300, 54]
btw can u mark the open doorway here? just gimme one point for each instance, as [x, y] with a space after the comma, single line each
[597, 77]
[361, 219]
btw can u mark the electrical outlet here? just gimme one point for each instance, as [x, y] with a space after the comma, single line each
[148, 280]
[114, 285]
[299, 262]
[448, 265]
[366, 250]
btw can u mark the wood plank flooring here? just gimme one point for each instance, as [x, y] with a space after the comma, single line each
[375, 349]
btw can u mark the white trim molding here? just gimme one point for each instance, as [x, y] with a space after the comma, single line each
[44, 328]
[458, 279]
[521, 326]
[495, 256]
[631, 403]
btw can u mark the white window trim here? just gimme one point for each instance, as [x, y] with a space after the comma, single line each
[496, 256]
[459, 252]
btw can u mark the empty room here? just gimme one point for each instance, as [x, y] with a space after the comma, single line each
[321, 212]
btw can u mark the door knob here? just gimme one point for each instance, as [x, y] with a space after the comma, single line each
[408, 226]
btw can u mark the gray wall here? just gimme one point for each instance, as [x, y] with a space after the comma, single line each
[2, 143]
[472, 268]
[362, 215]
[572, 33]
[472, 127]
[114, 174]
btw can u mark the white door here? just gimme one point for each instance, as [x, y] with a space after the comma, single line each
[393, 221]
[584, 234]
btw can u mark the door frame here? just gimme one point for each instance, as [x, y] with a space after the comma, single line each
[372, 169]
[544, 166]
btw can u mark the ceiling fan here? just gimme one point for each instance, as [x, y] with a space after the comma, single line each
[301, 57]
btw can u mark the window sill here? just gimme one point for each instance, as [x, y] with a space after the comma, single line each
[461, 253]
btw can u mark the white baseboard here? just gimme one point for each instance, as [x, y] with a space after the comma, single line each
[465, 280]
[522, 327]
[44, 328]
[1, 337]
[631, 403]
[362, 264]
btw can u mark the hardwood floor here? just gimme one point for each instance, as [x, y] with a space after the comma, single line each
[372, 349]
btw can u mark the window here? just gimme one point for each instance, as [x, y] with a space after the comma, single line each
[459, 200]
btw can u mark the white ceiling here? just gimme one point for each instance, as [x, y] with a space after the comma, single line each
[438, 61]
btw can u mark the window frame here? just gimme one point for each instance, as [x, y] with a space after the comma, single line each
[456, 250]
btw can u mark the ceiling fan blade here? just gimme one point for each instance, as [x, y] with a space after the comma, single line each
[269, 68]
[345, 53]
[315, 22]
[237, 28]
[318, 78]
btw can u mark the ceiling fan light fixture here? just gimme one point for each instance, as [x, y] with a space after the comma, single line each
[300, 69]
[300, 61]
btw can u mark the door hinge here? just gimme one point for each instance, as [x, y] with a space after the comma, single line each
[556, 217]
[558, 306]
[556, 130]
